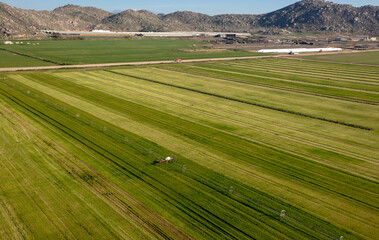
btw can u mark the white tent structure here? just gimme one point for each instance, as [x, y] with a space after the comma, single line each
[300, 50]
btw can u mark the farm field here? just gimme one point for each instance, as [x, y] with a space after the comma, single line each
[251, 138]
[8, 59]
[118, 50]
[371, 58]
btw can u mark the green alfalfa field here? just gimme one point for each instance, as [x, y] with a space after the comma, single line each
[111, 50]
[9, 59]
[77, 149]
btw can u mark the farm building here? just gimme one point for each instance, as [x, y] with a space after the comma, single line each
[339, 39]
[226, 35]
[100, 31]
[146, 34]
[299, 50]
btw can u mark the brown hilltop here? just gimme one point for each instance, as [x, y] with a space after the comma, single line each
[131, 20]
[318, 15]
[16, 21]
[87, 14]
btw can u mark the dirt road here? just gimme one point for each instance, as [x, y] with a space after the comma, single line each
[99, 65]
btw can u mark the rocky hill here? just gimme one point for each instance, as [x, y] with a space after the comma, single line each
[318, 15]
[203, 22]
[15, 21]
[131, 20]
[87, 14]
[303, 16]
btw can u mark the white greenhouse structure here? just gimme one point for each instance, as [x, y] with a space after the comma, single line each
[300, 50]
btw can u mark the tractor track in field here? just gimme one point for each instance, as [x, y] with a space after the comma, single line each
[369, 102]
[121, 201]
[249, 103]
[16, 226]
[135, 172]
[31, 190]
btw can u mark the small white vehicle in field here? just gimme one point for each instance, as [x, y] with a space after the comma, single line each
[168, 159]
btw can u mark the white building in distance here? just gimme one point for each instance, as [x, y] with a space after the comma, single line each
[100, 31]
[300, 50]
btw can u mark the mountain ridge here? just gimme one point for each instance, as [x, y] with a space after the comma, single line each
[302, 16]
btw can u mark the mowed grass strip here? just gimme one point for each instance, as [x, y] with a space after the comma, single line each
[148, 113]
[315, 72]
[277, 100]
[253, 103]
[151, 172]
[285, 84]
[360, 58]
[330, 68]
[305, 78]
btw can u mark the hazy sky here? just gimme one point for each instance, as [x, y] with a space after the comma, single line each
[166, 6]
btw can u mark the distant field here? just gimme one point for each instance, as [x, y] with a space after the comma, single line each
[77, 148]
[118, 50]
[8, 59]
[371, 58]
